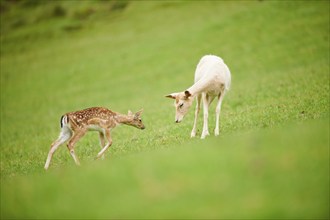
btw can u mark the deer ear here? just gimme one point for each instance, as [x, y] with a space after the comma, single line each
[138, 114]
[187, 94]
[172, 95]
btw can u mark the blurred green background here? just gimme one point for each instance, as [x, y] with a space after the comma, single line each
[270, 161]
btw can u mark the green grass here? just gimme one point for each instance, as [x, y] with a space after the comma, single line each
[271, 160]
[258, 175]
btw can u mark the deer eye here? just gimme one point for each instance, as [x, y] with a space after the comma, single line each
[181, 105]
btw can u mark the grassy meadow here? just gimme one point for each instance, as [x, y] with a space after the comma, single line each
[271, 160]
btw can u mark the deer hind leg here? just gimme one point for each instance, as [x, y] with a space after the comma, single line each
[217, 112]
[75, 137]
[64, 136]
[108, 137]
[198, 106]
[102, 142]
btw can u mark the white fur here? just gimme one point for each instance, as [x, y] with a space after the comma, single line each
[211, 72]
[212, 79]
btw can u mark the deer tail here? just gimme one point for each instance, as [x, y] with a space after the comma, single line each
[64, 120]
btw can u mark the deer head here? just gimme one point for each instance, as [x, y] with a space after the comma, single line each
[183, 101]
[135, 119]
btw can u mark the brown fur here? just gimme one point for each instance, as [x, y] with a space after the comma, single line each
[97, 118]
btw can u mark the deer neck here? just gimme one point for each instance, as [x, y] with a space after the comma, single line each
[122, 119]
[198, 86]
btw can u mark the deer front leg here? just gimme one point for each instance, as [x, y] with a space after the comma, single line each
[206, 115]
[108, 137]
[76, 136]
[102, 143]
[198, 101]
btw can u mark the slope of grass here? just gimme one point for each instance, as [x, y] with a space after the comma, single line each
[263, 174]
[128, 57]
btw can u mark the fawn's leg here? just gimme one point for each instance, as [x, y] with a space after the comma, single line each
[108, 137]
[75, 137]
[64, 136]
[198, 105]
[102, 143]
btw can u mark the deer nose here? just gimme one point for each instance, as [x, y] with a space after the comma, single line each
[176, 121]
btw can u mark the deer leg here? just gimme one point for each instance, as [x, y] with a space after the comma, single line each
[217, 112]
[76, 136]
[102, 142]
[205, 98]
[64, 136]
[198, 105]
[108, 137]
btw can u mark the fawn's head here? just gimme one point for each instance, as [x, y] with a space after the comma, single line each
[183, 101]
[135, 119]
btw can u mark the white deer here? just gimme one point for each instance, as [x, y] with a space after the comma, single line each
[74, 126]
[212, 79]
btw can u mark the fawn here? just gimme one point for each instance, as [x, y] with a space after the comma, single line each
[74, 126]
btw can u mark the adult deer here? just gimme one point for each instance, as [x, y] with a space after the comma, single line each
[212, 79]
[74, 126]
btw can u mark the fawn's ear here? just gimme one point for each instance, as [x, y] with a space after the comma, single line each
[138, 114]
[129, 113]
[172, 95]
